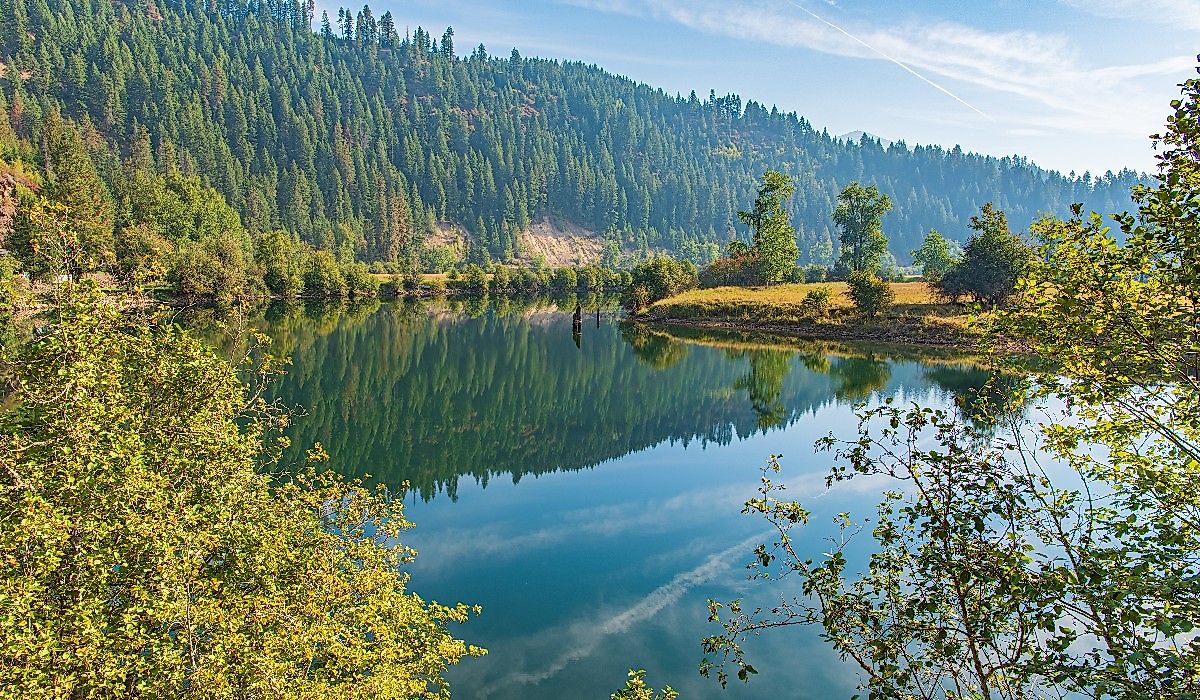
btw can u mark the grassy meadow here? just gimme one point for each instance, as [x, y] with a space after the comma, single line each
[917, 316]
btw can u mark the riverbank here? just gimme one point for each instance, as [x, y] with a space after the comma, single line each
[917, 317]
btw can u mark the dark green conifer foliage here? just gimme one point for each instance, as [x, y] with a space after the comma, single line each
[321, 133]
[75, 184]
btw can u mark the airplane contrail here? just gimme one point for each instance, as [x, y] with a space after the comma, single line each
[593, 632]
[898, 62]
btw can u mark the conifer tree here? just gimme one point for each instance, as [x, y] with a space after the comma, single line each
[75, 184]
[774, 238]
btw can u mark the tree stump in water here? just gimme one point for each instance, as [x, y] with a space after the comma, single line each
[577, 325]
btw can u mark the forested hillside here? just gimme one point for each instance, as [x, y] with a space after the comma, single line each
[363, 139]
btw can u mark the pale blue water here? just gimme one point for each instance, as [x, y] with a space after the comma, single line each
[589, 497]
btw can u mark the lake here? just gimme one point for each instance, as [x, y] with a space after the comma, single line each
[586, 489]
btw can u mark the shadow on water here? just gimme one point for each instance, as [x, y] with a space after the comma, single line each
[432, 392]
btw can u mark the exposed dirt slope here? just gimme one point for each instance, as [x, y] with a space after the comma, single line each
[560, 243]
[557, 242]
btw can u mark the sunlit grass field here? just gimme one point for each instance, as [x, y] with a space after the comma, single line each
[784, 301]
[917, 314]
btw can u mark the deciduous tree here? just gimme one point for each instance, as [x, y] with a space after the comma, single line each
[148, 557]
[860, 213]
[993, 260]
[934, 256]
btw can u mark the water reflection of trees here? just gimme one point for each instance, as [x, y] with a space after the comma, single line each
[984, 397]
[763, 383]
[658, 350]
[859, 377]
[432, 392]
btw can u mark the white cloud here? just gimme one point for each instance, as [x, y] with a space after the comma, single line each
[1037, 80]
[1179, 13]
[582, 638]
[494, 541]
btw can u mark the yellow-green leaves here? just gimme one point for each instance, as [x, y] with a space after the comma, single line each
[144, 557]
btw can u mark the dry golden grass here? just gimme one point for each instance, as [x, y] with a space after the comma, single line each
[779, 301]
[906, 293]
[916, 316]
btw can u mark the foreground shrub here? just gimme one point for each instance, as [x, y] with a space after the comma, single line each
[817, 302]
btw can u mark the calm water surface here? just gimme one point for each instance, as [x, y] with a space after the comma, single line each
[586, 490]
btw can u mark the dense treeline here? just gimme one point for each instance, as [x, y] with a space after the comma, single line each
[363, 142]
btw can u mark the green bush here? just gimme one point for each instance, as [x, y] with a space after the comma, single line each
[393, 287]
[215, 268]
[657, 277]
[636, 298]
[993, 260]
[433, 287]
[815, 273]
[526, 280]
[817, 302]
[140, 252]
[360, 283]
[437, 258]
[564, 278]
[324, 278]
[591, 278]
[871, 295]
[738, 270]
[474, 278]
[501, 279]
[282, 261]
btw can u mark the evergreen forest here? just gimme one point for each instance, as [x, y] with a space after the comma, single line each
[355, 135]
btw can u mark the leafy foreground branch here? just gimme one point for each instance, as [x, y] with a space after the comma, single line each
[988, 579]
[145, 556]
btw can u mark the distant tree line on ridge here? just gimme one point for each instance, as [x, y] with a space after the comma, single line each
[360, 141]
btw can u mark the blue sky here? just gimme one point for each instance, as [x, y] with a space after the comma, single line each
[1072, 84]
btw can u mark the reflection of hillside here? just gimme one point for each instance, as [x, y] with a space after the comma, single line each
[406, 394]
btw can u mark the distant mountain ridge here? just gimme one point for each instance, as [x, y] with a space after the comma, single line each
[357, 139]
[857, 136]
